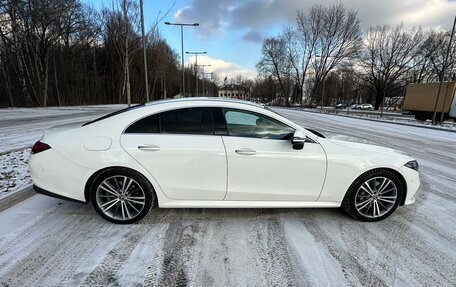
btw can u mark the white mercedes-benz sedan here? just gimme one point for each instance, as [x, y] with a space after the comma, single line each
[215, 153]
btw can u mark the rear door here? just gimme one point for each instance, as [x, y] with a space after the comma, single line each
[182, 151]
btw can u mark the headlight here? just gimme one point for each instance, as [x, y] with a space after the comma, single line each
[413, 164]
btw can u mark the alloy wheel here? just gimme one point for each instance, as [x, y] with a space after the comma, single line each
[376, 197]
[120, 197]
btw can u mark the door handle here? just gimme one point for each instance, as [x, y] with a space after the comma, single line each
[245, 151]
[149, 147]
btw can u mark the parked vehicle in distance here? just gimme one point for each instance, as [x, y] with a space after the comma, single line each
[355, 106]
[420, 100]
[311, 105]
[215, 153]
[341, 106]
[366, 107]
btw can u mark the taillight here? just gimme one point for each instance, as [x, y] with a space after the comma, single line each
[39, 147]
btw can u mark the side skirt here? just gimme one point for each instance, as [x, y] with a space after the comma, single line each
[246, 204]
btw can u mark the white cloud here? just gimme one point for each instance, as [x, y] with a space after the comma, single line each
[217, 16]
[221, 67]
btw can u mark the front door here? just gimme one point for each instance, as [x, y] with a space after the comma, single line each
[262, 164]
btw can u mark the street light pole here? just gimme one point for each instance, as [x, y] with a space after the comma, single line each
[443, 78]
[448, 52]
[182, 47]
[211, 75]
[203, 74]
[196, 66]
[323, 94]
[323, 88]
[144, 51]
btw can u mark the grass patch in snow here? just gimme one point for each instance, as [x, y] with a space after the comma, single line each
[14, 171]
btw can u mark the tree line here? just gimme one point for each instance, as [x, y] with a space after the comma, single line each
[63, 52]
[324, 58]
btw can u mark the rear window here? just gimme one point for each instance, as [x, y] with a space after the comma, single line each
[113, 114]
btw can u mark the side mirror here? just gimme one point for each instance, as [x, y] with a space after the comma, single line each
[298, 140]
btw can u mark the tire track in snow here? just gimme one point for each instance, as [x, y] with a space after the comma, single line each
[46, 256]
[349, 264]
[147, 255]
[269, 244]
[26, 240]
[179, 239]
[34, 226]
[104, 273]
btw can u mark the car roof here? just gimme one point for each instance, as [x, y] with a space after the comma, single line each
[205, 99]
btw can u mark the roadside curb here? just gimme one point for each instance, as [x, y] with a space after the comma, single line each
[16, 197]
[378, 120]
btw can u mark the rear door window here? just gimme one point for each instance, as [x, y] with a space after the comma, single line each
[187, 121]
[146, 125]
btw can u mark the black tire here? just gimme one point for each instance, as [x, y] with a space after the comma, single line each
[349, 201]
[421, 116]
[139, 180]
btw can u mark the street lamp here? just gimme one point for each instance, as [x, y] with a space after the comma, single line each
[323, 88]
[442, 79]
[144, 51]
[182, 47]
[196, 66]
[211, 78]
[203, 74]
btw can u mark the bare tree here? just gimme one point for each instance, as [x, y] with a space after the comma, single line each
[300, 43]
[61, 52]
[431, 58]
[388, 55]
[275, 62]
[324, 38]
[36, 29]
[338, 39]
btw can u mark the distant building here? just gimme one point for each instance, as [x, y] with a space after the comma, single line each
[233, 91]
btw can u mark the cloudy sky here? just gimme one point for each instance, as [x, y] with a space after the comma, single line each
[231, 31]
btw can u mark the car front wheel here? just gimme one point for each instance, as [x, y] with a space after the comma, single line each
[373, 196]
[122, 195]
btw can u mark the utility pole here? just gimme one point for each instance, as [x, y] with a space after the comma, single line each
[447, 55]
[146, 80]
[210, 77]
[323, 94]
[203, 74]
[127, 61]
[442, 78]
[182, 47]
[196, 66]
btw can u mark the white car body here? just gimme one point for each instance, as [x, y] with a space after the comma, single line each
[366, 107]
[212, 171]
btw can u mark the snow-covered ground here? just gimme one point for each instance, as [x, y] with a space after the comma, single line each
[388, 116]
[14, 172]
[50, 242]
[21, 127]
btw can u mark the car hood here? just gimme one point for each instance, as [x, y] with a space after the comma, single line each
[368, 151]
[363, 146]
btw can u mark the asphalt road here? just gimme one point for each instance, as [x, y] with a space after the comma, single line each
[45, 241]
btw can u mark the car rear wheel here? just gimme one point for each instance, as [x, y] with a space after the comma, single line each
[373, 196]
[122, 195]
